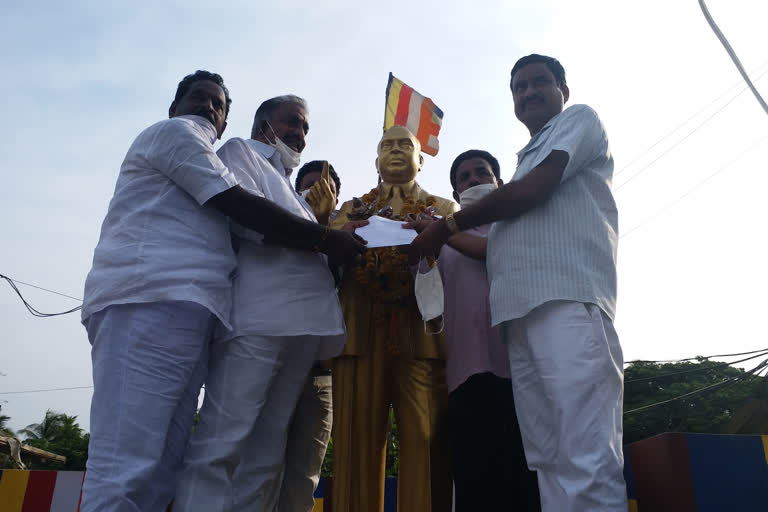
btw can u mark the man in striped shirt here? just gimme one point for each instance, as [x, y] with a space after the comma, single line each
[552, 271]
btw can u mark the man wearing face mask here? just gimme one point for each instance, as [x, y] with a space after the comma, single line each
[159, 284]
[488, 463]
[552, 270]
[285, 316]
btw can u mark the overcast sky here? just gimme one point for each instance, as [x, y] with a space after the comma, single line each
[81, 79]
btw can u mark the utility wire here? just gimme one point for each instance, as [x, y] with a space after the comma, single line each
[697, 357]
[43, 390]
[694, 370]
[732, 54]
[666, 208]
[721, 384]
[30, 308]
[50, 389]
[680, 141]
[691, 118]
[41, 288]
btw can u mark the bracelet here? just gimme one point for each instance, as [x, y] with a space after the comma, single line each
[318, 245]
[451, 224]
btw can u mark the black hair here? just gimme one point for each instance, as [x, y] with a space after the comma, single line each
[552, 63]
[197, 76]
[475, 153]
[317, 166]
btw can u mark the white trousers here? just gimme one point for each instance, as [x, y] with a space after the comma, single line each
[308, 439]
[567, 376]
[149, 362]
[237, 451]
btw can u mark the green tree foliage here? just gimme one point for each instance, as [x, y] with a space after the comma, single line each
[707, 412]
[393, 451]
[60, 434]
[393, 447]
[5, 430]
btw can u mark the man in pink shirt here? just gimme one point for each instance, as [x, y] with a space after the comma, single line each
[489, 466]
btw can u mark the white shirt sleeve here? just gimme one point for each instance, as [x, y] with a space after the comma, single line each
[580, 134]
[181, 151]
[239, 158]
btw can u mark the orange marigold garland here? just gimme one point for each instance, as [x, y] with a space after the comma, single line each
[384, 272]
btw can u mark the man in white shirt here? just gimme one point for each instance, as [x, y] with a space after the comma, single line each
[159, 285]
[285, 316]
[552, 271]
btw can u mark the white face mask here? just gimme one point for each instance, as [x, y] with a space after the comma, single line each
[474, 194]
[288, 156]
[304, 194]
[428, 289]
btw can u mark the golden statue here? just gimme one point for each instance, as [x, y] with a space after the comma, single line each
[389, 359]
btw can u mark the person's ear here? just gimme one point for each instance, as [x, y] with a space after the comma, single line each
[172, 110]
[456, 197]
[566, 92]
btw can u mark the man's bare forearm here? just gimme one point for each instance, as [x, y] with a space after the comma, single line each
[469, 245]
[271, 220]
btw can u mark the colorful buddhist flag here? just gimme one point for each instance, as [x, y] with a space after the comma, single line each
[406, 107]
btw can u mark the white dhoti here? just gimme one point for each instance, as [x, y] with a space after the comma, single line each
[149, 362]
[236, 454]
[567, 376]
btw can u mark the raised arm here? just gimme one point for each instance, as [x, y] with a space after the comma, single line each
[506, 203]
[280, 226]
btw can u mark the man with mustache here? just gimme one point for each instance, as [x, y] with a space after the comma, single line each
[285, 316]
[159, 284]
[552, 271]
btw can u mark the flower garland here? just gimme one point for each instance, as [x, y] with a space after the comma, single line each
[384, 272]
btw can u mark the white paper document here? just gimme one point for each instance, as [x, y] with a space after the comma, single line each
[383, 232]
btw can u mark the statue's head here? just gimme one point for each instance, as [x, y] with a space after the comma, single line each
[399, 156]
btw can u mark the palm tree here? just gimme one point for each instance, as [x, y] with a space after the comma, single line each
[4, 429]
[54, 426]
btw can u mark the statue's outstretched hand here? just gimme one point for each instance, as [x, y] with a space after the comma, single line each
[320, 197]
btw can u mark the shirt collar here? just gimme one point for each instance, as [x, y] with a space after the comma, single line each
[271, 154]
[403, 190]
[535, 139]
[205, 125]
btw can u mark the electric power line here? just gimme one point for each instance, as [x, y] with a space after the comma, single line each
[696, 358]
[41, 288]
[31, 308]
[693, 116]
[50, 389]
[694, 370]
[43, 390]
[721, 384]
[697, 185]
[676, 144]
[732, 54]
